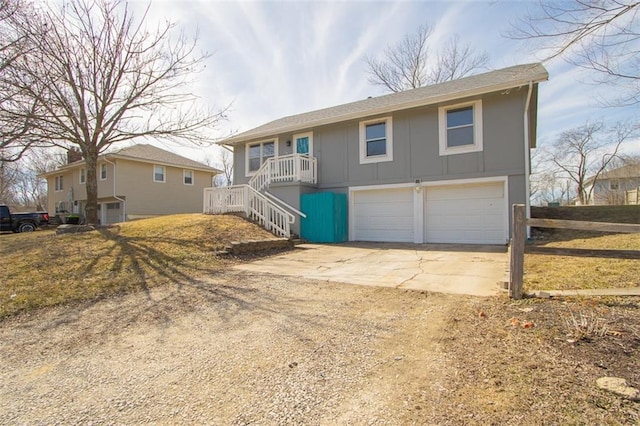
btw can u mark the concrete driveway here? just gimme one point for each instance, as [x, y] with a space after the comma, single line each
[445, 268]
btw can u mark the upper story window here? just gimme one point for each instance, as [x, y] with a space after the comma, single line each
[376, 140]
[159, 174]
[614, 185]
[58, 183]
[187, 177]
[83, 176]
[259, 152]
[460, 128]
[103, 171]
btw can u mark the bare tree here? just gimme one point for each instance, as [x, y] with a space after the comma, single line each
[94, 76]
[15, 139]
[457, 60]
[8, 178]
[585, 152]
[226, 165]
[602, 35]
[408, 64]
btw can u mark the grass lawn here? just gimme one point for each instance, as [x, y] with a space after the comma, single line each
[545, 272]
[42, 269]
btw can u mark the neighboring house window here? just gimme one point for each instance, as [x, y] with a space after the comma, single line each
[58, 183]
[258, 153]
[614, 185]
[103, 172]
[83, 176]
[460, 128]
[159, 173]
[187, 177]
[376, 140]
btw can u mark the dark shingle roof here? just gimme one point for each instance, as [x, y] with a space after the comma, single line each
[469, 86]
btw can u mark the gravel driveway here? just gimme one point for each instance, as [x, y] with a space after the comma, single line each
[238, 348]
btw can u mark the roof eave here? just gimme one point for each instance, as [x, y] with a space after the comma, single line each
[543, 76]
[165, 163]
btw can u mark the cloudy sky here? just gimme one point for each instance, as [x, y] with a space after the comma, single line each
[276, 58]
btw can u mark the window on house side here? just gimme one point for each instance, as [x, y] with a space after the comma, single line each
[376, 141]
[188, 177]
[258, 153]
[103, 172]
[158, 174]
[614, 185]
[460, 128]
[83, 176]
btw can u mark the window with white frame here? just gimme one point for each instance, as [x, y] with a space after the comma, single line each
[259, 152]
[187, 177]
[103, 171]
[376, 140]
[58, 183]
[83, 176]
[614, 184]
[460, 128]
[159, 174]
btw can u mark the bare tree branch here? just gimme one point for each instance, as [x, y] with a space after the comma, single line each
[94, 76]
[601, 35]
[582, 154]
[408, 64]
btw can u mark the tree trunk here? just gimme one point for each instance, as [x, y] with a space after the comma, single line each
[91, 209]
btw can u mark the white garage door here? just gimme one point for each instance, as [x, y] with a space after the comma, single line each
[466, 214]
[383, 215]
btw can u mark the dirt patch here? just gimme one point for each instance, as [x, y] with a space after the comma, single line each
[243, 348]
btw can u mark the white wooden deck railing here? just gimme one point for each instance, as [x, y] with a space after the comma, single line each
[248, 199]
[245, 199]
[288, 168]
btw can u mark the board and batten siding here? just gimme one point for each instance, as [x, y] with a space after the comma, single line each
[415, 147]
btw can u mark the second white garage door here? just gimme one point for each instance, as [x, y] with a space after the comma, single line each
[383, 215]
[466, 214]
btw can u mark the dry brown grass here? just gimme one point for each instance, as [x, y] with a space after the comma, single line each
[41, 269]
[568, 272]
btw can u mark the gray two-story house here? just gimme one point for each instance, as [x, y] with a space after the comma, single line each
[437, 164]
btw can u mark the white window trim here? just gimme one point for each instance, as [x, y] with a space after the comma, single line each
[611, 185]
[363, 143]
[246, 153]
[164, 173]
[184, 175]
[83, 174]
[477, 129]
[302, 135]
[106, 169]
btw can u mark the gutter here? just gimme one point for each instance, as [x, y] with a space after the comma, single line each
[527, 159]
[124, 202]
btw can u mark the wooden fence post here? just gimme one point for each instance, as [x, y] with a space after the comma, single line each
[516, 270]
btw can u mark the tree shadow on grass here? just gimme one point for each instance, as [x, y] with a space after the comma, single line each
[209, 288]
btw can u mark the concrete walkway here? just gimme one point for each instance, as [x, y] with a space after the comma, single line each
[445, 268]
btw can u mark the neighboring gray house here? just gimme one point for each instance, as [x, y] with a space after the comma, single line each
[616, 186]
[437, 164]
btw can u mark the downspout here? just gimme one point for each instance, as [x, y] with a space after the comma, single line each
[527, 159]
[124, 202]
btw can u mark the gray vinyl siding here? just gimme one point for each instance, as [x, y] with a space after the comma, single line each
[415, 147]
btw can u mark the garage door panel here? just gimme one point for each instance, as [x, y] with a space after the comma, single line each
[383, 215]
[465, 214]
